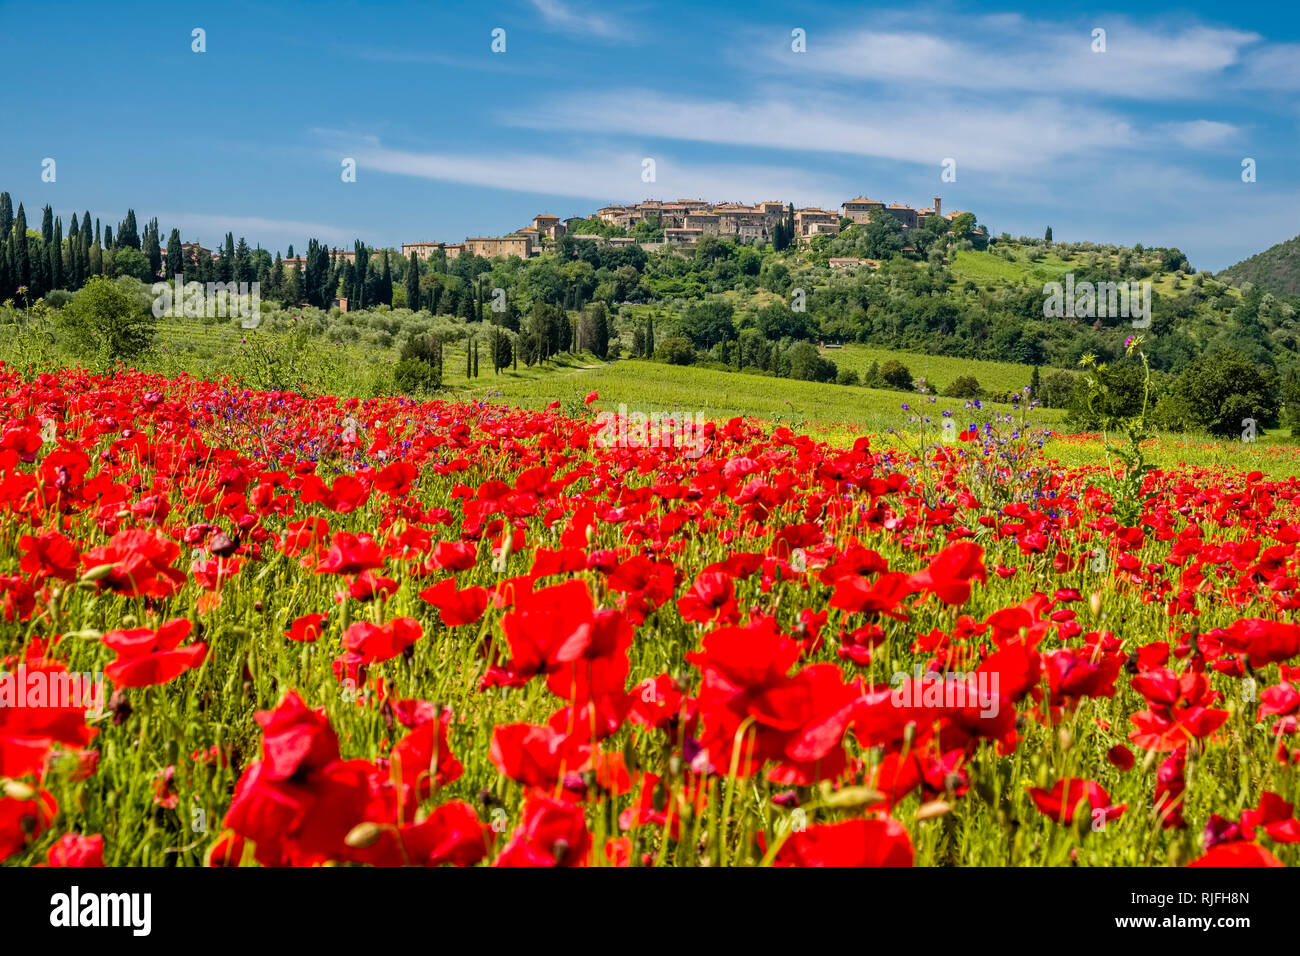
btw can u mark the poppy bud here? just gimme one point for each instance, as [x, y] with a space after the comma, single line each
[119, 706]
[222, 545]
[560, 849]
[363, 835]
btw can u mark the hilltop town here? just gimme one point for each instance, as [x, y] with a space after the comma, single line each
[683, 222]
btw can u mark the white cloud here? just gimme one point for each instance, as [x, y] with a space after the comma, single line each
[916, 129]
[606, 176]
[564, 17]
[1200, 134]
[213, 226]
[1141, 61]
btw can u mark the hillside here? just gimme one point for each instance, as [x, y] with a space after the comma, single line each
[1276, 269]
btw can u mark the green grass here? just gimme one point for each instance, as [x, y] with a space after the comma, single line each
[827, 411]
[937, 370]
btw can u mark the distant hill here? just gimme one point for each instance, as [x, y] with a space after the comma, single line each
[1275, 270]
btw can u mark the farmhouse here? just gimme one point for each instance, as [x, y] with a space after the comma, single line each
[684, 222]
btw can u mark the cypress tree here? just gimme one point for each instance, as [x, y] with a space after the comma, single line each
[175, 253]
[85, 236]
[6, 216]
[22, 269]
[293, 285]
[152, 249]
[56, 256]
[73, 259]
[413, 284]
[386, 282]
[469, 359]
[360, 260]
[475, 358]
[127, 233]
[242, 268]
[275, 280]
[108, 238]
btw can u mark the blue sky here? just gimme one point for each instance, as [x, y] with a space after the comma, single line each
[1141, 143]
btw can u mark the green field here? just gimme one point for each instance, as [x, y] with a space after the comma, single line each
[834, 413]
[823, 410]
[938, 370]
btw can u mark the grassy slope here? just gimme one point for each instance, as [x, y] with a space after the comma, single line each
[937, 370]
[824, 410]
[1276, 269]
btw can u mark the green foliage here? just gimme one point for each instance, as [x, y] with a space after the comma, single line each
[1219, 391]
[708, 323]
[964, 386]
[108, 320]
[1107, 402]
[1055, 389]
[1109, 393]
[807, 365]
[675, 350]
[417, 378]
[1276, 269]
[896, 375]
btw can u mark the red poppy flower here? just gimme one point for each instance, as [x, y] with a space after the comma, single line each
[146, 657]
[136, 563]
[1061, 802]
[49, 554]
[379, 642]
[553, 833]
[1237, 854]
[351, 554]
[950, 572]
[875, 842]
[73, 849]
[456, 607]
[306, 629]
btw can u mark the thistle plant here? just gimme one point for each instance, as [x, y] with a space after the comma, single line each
[1126, 487]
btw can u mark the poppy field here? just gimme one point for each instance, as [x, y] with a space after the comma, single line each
[322, 631]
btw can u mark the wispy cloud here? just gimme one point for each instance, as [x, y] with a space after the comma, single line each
[211, 226]
[1200, 134]
[565, 18]
[923, 130]
[1140, 61]
[606, 176]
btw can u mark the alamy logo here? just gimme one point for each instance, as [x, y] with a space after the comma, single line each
[682, 430]
[40, 689]
[951, 691]
[195, 300]
[1098, 300]
[73, 909]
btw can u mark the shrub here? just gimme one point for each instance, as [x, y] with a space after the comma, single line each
[415, 377]
[872, 378]
[846, 376]
[675, 351]
[1122, 387]
[107, 319]
[807, 365]
[1222, 389]
[1055, 389]
[965, 386]
[896, 375]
